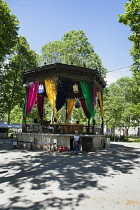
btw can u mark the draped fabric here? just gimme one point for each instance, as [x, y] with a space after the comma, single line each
[31, 99]
[62, 93]
[83, 104]
[101, 103]
[70, 104]
[40, 106]
[88, 95]
[50, 86]
[94, 97]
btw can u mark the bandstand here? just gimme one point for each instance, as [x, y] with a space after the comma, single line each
[67, 85]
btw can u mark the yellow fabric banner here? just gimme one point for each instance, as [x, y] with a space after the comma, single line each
[50, 86]
[101, 103]
[70, 104]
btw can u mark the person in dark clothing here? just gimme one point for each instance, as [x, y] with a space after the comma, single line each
[75, 143]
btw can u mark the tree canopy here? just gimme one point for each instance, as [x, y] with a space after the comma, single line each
[121, 103]
[131, 17]
[75, 49]
[8, 30]
[12, 92]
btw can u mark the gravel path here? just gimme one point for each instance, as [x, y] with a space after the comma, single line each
[105, 179]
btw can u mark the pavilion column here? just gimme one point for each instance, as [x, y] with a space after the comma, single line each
[93, 119]
[102, 126]
[24, 128]
[66, 110]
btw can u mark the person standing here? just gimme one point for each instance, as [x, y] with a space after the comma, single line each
[119, 137]
[75, 143]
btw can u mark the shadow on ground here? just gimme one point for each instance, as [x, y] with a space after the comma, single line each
[50, 174]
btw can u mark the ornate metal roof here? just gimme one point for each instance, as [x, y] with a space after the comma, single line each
[63, 70]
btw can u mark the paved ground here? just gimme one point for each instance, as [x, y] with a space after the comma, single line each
[106, 179]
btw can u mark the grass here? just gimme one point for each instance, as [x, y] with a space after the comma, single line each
[125, 139]
[134, 140]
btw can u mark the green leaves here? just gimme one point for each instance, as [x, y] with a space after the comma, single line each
[75, 49]
[131, 17]
[121, 103]
[12, 92]
[52, 52]
[8, 30]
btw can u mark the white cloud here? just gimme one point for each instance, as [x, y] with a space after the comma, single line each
[112, 77]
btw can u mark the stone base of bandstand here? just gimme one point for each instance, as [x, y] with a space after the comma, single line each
[51, 142]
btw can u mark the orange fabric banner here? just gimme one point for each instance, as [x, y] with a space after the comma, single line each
[50, 85]
[70, 104]
[101, 103]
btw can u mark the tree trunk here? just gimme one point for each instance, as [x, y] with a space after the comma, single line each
[9, 113]
[114, 134]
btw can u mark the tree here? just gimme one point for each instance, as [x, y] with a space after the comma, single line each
[8, 30]
[16, 115]
[75, 49]
[22, 58]
[52, 52]
[113, 106]
[131, 17]
[121, 104]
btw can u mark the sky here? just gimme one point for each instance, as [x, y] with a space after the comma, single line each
[44, 21]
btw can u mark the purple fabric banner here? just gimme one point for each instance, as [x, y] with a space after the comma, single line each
[40, 105]
[31, 99]
[83, 104]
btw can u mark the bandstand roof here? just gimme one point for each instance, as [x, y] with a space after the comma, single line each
[63, 70]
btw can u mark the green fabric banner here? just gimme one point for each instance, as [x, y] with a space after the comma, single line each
[87, 90]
